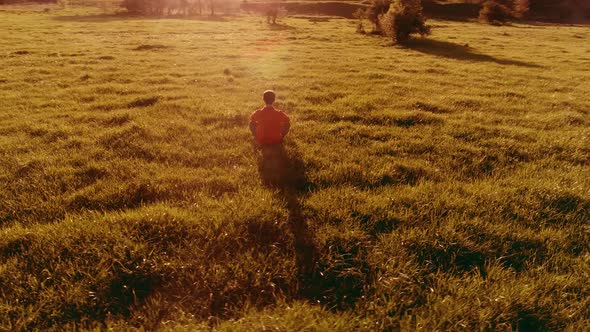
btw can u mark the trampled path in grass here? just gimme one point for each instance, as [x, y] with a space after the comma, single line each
[442, 185]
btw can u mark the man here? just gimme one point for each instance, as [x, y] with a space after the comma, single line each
[269, 125]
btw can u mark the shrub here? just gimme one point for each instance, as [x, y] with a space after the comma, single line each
[403, 18]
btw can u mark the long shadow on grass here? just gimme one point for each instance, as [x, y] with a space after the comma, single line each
[460, 52]
[321, 279]
[282, 169]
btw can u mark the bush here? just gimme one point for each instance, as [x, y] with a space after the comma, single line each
[403, 18]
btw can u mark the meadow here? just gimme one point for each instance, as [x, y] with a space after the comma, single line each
[443, 185]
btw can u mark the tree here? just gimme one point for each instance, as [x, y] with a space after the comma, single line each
[402, 19]
[521, 7]
[360, 14]
[272, 12]
[499, 11]
[375, 10]
[134, 6]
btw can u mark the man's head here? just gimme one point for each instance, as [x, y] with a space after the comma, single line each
[269, 97]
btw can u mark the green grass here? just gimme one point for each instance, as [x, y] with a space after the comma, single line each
[437, 186]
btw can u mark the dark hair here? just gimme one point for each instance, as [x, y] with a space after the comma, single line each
[269, 97]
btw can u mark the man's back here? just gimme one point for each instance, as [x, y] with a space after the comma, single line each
[270, 124]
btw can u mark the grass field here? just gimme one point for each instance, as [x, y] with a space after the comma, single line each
[439, 186]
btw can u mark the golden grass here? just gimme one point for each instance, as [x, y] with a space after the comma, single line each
[444, 185]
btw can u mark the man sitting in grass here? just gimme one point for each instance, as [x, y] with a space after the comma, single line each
[269, 125]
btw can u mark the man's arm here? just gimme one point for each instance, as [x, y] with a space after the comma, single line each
[253, 128]
[285, 126]
[253, 124]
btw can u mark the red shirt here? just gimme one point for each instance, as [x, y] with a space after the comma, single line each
[269, 122]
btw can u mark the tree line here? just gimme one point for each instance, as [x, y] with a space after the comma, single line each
[177, 7]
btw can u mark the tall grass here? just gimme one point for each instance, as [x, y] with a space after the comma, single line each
[443, 185]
